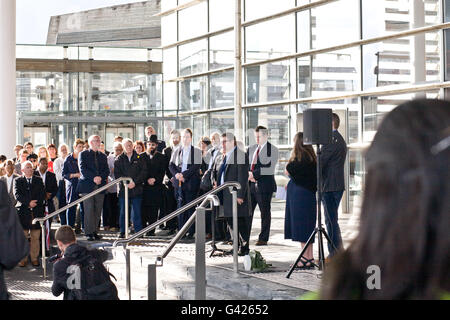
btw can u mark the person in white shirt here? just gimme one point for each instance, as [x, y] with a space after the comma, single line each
[9, 178]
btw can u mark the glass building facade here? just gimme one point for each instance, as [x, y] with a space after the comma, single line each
[359, 57]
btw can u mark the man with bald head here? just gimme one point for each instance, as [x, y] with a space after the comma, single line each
[94, 172]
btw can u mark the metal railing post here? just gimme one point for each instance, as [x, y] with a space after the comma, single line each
[200, 267]
[125, 185]
[235, 232]
[128, 272]
[151, 288]
[44, 259]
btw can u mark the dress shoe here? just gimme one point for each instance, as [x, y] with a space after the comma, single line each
[150, 233]
[96, 236]
[35, 263]
[243, 252]
[122, 235]
[90, 237]
[22, 264]
[208, 236]
[114, 229]
[261, 243]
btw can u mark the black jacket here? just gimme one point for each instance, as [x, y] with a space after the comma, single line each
[303, 173]
[88, 170]
[332, 163]
[51, 186]
[192, 174]
[236, 169]
[136, 170]
[73, 252]
[24, 194]
[156, 168]
[264, 171]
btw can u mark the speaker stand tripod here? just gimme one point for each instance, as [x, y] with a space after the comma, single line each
[319, 230]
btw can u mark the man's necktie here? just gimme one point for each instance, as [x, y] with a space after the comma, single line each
[255, 159]
[222, 168]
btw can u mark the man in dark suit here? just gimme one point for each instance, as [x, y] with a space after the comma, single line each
[333, 184]
[94, 172]
[156, 164]
[150, 131]
[170, 202]
[50, 183]
[185, 168]
[232, 165]
[132, 165]
[263, 158]
[29, 191]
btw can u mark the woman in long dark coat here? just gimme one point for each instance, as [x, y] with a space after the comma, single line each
[300, 217]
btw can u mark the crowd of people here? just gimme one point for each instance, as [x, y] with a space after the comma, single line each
[407, 188]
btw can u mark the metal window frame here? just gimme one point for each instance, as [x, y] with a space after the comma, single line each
[178, 8]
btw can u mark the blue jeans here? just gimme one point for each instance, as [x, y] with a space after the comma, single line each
[135, 205]
[331, 202]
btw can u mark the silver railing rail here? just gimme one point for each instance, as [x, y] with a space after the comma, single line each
[199, 217]
[42, 221]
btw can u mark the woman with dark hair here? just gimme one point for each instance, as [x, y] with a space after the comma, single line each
[405, 220]
[300, 217]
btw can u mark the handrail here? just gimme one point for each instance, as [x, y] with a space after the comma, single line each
[70, 205]
[176, 212]
[90, 195]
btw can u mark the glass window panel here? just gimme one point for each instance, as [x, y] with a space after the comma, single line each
[263, 40]
[193, 57]
[168, 29]
[336, 71]
[389, 63]
[41, 91]
[221, 121]
[275, 119]
[117, 91]
[303, 31]
[393, 16]
[170, 64]
[329, 28]
[39, 52]
[221, 14]
[375, 108]
[193, 94]
[222, 89]
[221, 52]
[170, 96]
[268, 82]
[120, 54]
[261, 8]
[193, 21]
[199, 129]
[304, 77]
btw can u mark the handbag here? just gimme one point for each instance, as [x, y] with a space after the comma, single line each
[206, 183]
[13, 244]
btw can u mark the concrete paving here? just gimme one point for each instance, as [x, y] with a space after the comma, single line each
[175, 279]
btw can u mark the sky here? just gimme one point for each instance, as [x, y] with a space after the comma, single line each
[33, 16]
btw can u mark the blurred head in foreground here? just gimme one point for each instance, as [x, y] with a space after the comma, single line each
[405, 216]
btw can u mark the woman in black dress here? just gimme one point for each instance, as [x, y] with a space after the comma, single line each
[300, 217]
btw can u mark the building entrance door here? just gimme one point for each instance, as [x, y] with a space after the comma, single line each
[111, 132]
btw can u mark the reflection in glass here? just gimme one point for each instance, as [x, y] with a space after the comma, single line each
[41, 91]
[389, 63]
[268, 82]
[193, 57]
[222, 89]
[168, 29]
[336, 71]
[263, 40]
[275, 119]
[221, 52]
[170, 69]
[193, 94]
[221, 121]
